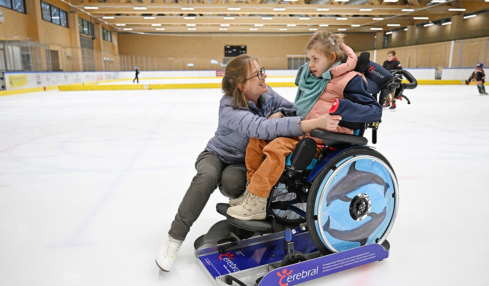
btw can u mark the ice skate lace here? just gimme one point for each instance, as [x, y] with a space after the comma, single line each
[172, 247]
[250, 201]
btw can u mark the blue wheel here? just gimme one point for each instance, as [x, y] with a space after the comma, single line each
[353, 201]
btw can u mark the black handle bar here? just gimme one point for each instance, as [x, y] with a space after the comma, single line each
[413, 83]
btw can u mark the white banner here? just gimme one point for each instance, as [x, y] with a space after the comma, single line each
[21, 80]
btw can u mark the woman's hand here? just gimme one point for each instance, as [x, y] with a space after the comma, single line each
[276, 115]
[326, 122]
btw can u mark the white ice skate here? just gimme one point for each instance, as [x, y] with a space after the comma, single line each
[167, 254]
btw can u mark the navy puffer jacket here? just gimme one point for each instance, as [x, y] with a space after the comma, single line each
[237, 126]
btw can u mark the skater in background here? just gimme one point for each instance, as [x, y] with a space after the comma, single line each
[137, 75]
[480, 79]
[249, 108]
[392, 63]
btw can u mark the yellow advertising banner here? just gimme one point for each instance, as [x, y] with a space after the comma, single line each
[17, 80]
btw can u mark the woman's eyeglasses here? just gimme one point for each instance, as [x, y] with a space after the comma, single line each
[259, 74]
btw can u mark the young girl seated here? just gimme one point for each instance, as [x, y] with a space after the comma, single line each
[326, 86]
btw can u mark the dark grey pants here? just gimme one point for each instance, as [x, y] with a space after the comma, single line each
[211, 173]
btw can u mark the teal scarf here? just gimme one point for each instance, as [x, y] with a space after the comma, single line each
[310, 88]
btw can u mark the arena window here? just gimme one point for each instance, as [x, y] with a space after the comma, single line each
[53, 14]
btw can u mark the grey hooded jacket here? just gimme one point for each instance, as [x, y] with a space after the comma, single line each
[236, 126]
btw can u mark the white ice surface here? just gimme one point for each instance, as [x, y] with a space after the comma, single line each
[91, 181]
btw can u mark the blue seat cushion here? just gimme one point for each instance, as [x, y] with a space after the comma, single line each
[310, 167]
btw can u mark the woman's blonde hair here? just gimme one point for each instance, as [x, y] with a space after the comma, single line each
[235, 73]
[326, 43]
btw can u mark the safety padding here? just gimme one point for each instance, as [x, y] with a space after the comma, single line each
[377, 77]
[303, 154]
[77, 87]
[331, 138]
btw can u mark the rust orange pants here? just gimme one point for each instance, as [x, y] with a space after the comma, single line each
[265, 161]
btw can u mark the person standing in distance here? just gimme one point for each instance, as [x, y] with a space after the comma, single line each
[392, 63]
[137, 75]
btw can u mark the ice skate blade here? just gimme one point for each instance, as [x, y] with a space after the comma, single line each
[161, 273]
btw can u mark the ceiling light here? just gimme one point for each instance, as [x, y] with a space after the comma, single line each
[224, 25]
[291, 0]
[391, 1]
[267, 18]
[438, 1]
[378, 19]
[160, 29]
[127, 29]
[313, 29]
[223, 29]
[456, 9]
[283, 29]
[120, 25]
[189, 18]
[149, 18]
[365, 10]
[429, 24]
[228, 18]
[446, 23]
[405, 29]
[156, 25]
[388, 33]
[279, 9]
[187, 8]
[140, 8]
[304, 18]
[192, 29]
[393, 25]
[342, 0]
[234, 9]
[91, 8]
[253, 29]
[421, 18]
[324, 25]
[470, 16]
[407, 10]
[191, 25]
[322, 9]
[355, 25]
[105, 17]
[376, 29]
[341, 19]
[291, 25]
[258, 25]
[341, 29]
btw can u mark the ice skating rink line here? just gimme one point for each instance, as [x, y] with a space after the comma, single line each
[150, 86]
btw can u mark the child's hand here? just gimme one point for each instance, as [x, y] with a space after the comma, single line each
[326, 122]
[329, 122]
[276, 115]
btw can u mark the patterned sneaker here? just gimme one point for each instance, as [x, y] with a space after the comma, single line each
[167, 254]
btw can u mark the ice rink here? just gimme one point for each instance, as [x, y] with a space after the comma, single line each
[91, 181]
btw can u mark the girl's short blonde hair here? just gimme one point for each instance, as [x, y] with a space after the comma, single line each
[326, 43]
[235, 73]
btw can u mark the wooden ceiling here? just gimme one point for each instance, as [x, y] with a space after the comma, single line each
[270, 16]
